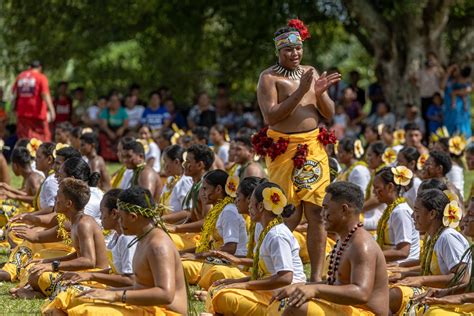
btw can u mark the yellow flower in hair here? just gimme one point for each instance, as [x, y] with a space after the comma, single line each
[58, 147]
[33, 146]
[86, 130]
[457, 144]
[231, 186]
[145, 144]
[177, 134]
[451, 196]
[389, 156]
[358, 149]
[336, 147]
[402, 175]
[399, 137]
[274, 200]
[442, 132]
[421, 161]
[452, 215]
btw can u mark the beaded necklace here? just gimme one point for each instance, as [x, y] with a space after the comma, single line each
[205, 243]
[427, 253]
[256, 271]
[336, 255]
[384, 220]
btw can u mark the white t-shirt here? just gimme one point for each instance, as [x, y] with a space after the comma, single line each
[360, 175]
[456, 177]
[122, 256]
[449, 249]
[179, 192]
[154, 152]
[231, 226]
[223, 152]
[93, 206]
[280, 251]
[401, 228]
[93, 112]
[48, 192]
[372, 216]
[135, 115]
[410, 195]
[126, 179]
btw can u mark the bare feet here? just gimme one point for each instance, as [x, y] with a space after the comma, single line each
[27, 293]
[200, 295]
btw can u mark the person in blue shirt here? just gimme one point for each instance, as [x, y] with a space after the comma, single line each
[155, 114]
[434, 114]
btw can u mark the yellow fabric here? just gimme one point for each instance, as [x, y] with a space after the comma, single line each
[98, 308]
[185, 240]
[212, 272]
[321, 307]
[10, 208]
[450, 310]
[407, 294]
[50, 285]
[307, 184]
[434, 266]
[117, 178]
[192, 270]
[301, 238]
[238, 302]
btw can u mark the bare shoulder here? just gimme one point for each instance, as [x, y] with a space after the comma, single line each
[267, 74]
[87, 223]
[363, 244]
[160, 244]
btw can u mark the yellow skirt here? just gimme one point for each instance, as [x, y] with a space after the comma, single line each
[321, 307]
[450, 310]
[192, 270]
[185, 241]
[307, 184]
[99, 308]
[238, 302]
[407, 294]
[210, 273]
[10, 208]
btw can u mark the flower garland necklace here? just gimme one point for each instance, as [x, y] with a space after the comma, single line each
[136, 173]
[336, 255]
[384, 220]
[62, 233]
[209, 226]
[427, 254]
[256, 273]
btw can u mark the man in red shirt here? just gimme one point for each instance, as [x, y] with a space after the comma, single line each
[33, 104]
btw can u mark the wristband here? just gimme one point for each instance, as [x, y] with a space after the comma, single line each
[124, 296]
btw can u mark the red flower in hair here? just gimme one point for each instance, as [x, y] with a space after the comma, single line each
[302, 29]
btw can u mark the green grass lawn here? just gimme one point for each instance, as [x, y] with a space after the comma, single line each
[10, 306]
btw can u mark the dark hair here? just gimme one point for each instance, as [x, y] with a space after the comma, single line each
[333, 169]
[202, 153]
[22, 142]
[248, 184]
[387, 177]
[378, 148]
[434, 199]
[76, 132]
[47, 148]
[152, 93]
[135, 146]
[432, 184]
[373, 128]
[137, 196]
[444, 142]
[110, 198]
[258, 193]
[346, 192]
[79, 169]
[410, 153]
[202, 133]
[347, 144]
[470, 149]
[68, 153]
[412, 127]
[174, 152]
[91, 139]
[216, 177]
[35, 64]
[245, 132]
[246, 140]
[442, 159]
[65, 126]
[167, 133]
[77, 191]
[219, 128]
[466, 71]
[21, 156]
[126, 139]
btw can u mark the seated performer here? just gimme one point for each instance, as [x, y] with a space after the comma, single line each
[86, 236]
[159, 285]
[177, 184]
[71, 283]
[408, 157]
[349, 150]
[122, 176]
[19, 200]
[134, 158]
[357, 278]
[89, 148]
[442, 251]
[224, 228]
[188, 222]
[276, 260]
[459, 298]
[244, 156]
[396, 233]
[152, 152]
